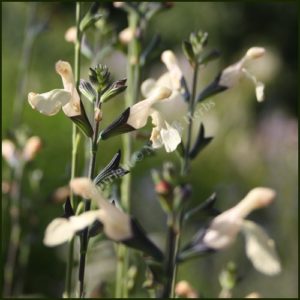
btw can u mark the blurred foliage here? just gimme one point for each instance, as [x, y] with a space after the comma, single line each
[255, 144]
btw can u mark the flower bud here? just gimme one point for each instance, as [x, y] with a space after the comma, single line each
[127, 35]
[184, 290]
[255, 52]
[163, 188]
[70, 35]
[9, 151]
[32, 147]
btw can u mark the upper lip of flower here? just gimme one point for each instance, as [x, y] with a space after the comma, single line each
[51, 102]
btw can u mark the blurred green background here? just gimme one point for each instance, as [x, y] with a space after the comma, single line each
[255, 144]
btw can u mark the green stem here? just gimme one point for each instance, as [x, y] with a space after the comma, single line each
[15, 234]
[87, 207]
[75, 142]
[133, 81]
[29, 38]
[171, 252]
[185, 166]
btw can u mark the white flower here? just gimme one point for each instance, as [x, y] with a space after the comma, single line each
[231, 75]
[163, 134]
[225, 227]
[117, 224]
[51, 102]
[174, 107]
[136, 117]
[169, 110]
[259, 247]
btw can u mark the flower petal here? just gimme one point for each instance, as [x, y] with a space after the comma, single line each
[147, 87]
[83, 220]
[260, 249]
[58, 232]
[49, 103]
[170, 137]
[64, 69]
[140, 112]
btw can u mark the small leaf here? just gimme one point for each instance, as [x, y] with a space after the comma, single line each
[212, 89]
[195, 248]
[204, 208]
[90, 18]
[208, 56]
[140, 241]
[117, 127]
[87, 90]
[200, 144]
[83, 122]
[188, 52]
[111, 171]
[68, 210]
[115, 88]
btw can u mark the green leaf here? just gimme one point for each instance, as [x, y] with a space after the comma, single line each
[200, 143]
[87, 90]
[116, 88]
[140, 241]
[208, 56]
[83, 122]
[188, 52]
[112, 171]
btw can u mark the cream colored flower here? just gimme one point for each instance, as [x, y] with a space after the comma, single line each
[233, 74]
[117, 224]
[163, 134]
[136, 117]
[260, 249]
[51, 102]
[175, 106]
[225, 227]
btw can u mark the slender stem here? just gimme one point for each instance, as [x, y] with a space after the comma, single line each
[170, 257]
[133, 80]
[29, 38]
[75, 142]
[87, 207]
[185, 167]
[15, 235]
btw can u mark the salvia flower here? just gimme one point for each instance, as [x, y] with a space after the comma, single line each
[67, 99]
[51, 102]
[231, 76]
[117, 225]
[224, 228]
[136, 117]
[175, 106]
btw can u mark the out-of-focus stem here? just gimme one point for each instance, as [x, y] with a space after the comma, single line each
[15, 234]
[30, 35]
[133, 81]
[185, 166]
[75, 143]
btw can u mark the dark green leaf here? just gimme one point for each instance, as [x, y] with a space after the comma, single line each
[188, 52]
[119, 126]
[212, 89]
[87, 90]
[112, 171]
[200, 143]
[208, 56]
[140, 241]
